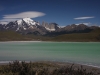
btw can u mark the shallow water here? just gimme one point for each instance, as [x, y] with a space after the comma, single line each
[75, 52]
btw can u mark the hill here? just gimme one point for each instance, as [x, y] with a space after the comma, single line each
[91, 36]
[72, 37]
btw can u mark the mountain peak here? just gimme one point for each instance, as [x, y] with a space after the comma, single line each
[27, 19]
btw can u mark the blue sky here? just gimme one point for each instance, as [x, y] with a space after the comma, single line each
[62, 12]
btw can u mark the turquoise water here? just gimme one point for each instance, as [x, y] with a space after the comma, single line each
[75, 52]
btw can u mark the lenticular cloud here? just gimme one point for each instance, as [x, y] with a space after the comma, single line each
[78, 18]
[31, 14]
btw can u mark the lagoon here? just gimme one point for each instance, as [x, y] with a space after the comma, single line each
[75, 52]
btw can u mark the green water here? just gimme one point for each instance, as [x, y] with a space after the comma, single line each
[77, 52]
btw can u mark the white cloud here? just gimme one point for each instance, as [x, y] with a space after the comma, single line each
[3, 22]
[79, 18]
[8, 19]
[14, 17]
[30, 14]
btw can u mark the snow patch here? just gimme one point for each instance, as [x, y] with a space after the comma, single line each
[17, 29]
[24, 28]
[19, 22]
[50, 29]
[61, 26]
[31, 27]
[3, 22]
[83, 23]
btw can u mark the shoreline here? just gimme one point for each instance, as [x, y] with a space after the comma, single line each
[55, 41]
[56, 62]
[20, 41]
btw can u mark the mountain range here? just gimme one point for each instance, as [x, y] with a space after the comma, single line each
[29, 26]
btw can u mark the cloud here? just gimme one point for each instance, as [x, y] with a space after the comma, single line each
[79, 18]
[14, 17]
[4, 22]
[30, 14]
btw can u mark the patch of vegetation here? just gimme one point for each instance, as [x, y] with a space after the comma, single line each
[91, 36]
[14, 36]
[80, 37]
[23, 68]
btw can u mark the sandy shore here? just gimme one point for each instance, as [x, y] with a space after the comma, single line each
[95, 70]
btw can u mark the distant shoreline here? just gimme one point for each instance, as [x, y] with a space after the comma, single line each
[53, 41]
[20, 41]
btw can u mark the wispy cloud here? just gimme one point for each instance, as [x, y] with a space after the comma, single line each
[8, 19]
[4, 22]
[79, 18]
[31, 14]
[13, 17]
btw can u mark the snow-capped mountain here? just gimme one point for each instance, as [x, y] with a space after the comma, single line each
[25, 26]
[29, 26]
[28, 21]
